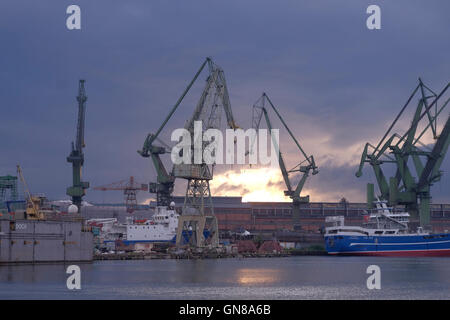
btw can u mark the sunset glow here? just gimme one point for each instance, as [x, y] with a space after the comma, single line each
[259, 185]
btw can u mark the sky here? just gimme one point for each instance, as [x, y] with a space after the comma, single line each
[337, 83]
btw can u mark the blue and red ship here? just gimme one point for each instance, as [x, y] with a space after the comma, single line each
[384, 233]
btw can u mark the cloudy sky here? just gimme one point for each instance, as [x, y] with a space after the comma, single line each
[337, 83]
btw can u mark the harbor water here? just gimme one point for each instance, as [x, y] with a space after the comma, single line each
[301, 277]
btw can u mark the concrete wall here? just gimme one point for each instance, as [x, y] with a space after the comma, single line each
[44, 241]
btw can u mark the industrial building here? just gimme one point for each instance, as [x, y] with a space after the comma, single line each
[267, 217]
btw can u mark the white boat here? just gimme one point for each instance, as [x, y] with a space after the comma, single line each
[162, 227]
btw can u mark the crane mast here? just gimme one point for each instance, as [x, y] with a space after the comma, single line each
[194, 219]
[76, 157]
[213, 99]
[306, 167]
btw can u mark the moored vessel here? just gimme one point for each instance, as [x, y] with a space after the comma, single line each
[384, 233]
[162, 227]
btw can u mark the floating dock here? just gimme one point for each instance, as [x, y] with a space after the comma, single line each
[38, 241]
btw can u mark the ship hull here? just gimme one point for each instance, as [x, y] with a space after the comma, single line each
[436, 245]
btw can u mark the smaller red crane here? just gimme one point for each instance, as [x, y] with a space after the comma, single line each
[130, 189]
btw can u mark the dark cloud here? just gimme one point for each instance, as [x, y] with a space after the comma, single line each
[337, 83]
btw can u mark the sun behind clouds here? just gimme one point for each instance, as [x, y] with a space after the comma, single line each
[254, 185]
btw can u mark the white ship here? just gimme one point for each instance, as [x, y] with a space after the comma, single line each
[162, 227]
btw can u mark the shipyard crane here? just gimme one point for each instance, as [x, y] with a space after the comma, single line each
[76, 157]
[306, 167]
[420, 145]
[194, 220]
[32, 211]
[130, 188]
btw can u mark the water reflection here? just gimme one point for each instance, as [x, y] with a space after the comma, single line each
[257, 276]
[264, 278]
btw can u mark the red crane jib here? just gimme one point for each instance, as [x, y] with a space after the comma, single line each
[129, 188]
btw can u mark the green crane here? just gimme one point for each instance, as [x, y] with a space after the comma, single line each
[165, 181]
[407, 186]
[76, 157]
[194, 219]
[305, 167]
[163, 188]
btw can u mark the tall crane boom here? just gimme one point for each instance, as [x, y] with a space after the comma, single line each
[163, 188]
[306, 166]
[214, 97]
[76, 157]
[164, 185]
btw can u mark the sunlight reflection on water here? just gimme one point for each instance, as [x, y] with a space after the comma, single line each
[264, 278]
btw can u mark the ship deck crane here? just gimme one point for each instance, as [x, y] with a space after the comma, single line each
[407, 187]
[76, 157]
[306, 167]
[213, 98]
